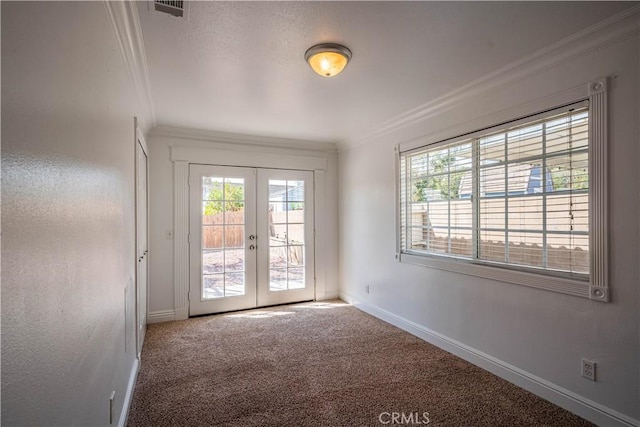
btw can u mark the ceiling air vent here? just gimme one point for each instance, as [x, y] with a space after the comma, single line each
[172, 7]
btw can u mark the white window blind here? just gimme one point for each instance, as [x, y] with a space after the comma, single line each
[513, 196]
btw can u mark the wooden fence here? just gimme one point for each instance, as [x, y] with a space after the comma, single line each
[233, 224]
[562, 251]
[233, 235]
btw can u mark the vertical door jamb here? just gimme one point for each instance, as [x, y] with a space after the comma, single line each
[140, 144]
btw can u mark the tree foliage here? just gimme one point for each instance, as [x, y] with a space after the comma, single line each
[446, 185]
[231, 199]
[569, 179]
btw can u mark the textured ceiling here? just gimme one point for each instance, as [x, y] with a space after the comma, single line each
[238, 66]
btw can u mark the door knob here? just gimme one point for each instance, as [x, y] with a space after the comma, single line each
[252, 247]
[252, 237]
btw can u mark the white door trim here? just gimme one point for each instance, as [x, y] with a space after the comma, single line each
[141, 305]
[253, 158]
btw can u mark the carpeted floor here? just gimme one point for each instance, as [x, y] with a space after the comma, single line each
[318, 364]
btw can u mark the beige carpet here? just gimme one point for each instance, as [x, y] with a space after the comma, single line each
[318, 364]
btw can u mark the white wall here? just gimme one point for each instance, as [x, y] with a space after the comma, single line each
[541, 333]
[67, 215]
[161, 283]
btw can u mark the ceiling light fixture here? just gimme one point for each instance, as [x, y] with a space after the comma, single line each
[328, 59]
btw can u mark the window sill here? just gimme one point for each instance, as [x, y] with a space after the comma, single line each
[569, 286]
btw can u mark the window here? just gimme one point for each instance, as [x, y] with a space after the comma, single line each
[512, 202]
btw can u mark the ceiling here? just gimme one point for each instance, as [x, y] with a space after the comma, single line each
[238, 67]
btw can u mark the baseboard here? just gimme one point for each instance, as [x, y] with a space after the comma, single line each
[562, 397]
[124, 415]
[161, 316]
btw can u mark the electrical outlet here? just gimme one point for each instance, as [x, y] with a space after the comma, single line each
[588, 369]
[366, 289]
[168, 234]
[111, 399]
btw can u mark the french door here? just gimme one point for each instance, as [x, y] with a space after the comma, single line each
[251, 238]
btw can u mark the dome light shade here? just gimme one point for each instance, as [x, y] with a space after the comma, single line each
[328, 59]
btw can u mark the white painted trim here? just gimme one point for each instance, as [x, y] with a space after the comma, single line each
[161, 316]
[141, 139]
[560, 396]
[598, 190]
[140, 144]
[320, 233]
[245, 140]
[257, 159]
[181, 239]
[125, 21]
[613, 30]
[508, 274]
[126, 404]
[182, 313]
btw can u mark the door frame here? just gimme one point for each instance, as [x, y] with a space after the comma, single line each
[218, 153]
[141, 304]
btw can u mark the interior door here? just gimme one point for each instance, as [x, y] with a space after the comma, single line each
[286, 236]
[222, 239]
[141, 241]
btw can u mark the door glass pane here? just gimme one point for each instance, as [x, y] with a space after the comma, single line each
[212, 286]
[286, 235]
[296, 278]
[233, 284]
[234, 213]
[212, 236]
[277, 190]
[233, 236]
[212, 261]
[234, 260]
[295, 191]
[223, 230]
[295, 234]
[296, 256]
[278, 257]
[212, 188]
[278, 279]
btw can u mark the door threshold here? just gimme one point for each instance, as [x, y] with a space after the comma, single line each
[249, 309]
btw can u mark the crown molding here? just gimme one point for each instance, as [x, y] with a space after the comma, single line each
[613, 30]
[125, 21]
[239, 139]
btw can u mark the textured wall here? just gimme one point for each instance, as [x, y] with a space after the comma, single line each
[540, 332]
[67, 215]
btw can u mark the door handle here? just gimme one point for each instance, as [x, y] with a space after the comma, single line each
[252, 237]
[252, 247]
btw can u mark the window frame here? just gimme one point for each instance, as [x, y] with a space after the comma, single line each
[595, 285]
